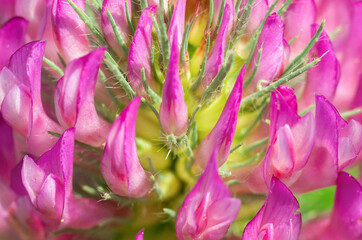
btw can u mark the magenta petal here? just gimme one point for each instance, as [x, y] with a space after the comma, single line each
[173, 109]
[221, 136]
[12, 36]
[271, 41]
[120, 164]
[347, 212]
[177, 24]
[350, 61]
[70, 30]
[208, 210]
[25, 64]
[322, 166]
[74, 99]
[278, 217]
[140, 53]
[345, 220]
[118, 11]
[299, 17]
[7, 151]
[323, 78]
[216, 57]
[139, 235]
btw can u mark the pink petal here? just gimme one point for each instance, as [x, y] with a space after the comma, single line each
[69, 29]
[118, 11]
[278, 217]
[173, 109]
[25, 64]
[35, 12]
[299, 17]
[347, 212]
[12, 36]
[74, 99]
[177, 24]
[7, 81]
[351, 63]
[323, 78]
[139, 235]
[271, 41]
[221, 136]
[140, 54]
[200, 216]
[120, 164]
[216, 57]
[337, 14]
[322, 166]
[7, 10]
[16, 108]
[7, 151]
[50, 199]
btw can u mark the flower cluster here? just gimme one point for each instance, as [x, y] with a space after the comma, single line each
[181, 119]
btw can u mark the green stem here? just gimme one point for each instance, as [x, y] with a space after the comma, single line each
[116, 32]
[53, 66]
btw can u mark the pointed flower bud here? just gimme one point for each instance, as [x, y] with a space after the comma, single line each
[272, 43]
[221, 136]
[139, 235]
[345, 220]
[48, 183]
[208, 210]
[177, 24]
[118, 12]
[216, 57]
[120, 164]
[70, 30]
[278, 218]
[140, 54]
[12, 36]
[324, 77]
[74, 99]
[173, 109]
